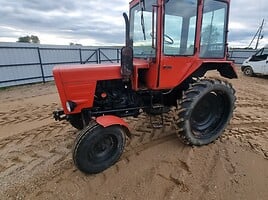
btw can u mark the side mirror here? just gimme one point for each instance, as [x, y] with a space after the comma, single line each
[126, 62]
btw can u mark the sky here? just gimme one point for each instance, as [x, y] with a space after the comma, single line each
[100, 22]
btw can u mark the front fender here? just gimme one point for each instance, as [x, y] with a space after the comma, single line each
[110, 120]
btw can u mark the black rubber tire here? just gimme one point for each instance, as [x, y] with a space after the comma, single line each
[204, 111]
[97, 148]
[76, 121]
[248, 71]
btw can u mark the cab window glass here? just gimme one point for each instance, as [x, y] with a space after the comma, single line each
[179, 27]
[213, 29]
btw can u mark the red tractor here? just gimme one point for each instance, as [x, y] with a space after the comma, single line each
[170, 45]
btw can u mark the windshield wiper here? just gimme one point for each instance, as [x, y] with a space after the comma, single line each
[142, 20]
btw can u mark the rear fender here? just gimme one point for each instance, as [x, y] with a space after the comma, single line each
[110, 120]
[228, 71]
[225, 68]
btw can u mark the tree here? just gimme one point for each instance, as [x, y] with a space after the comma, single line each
[35, 39]
[29, 39]
[75, 44]
[210, 35]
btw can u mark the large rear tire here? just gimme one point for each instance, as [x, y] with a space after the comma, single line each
[204, 111]
[97, 148]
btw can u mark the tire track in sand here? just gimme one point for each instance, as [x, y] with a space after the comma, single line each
[250, 122]
[49, 148]
[24, 115]
[144, 137]
[32, 154]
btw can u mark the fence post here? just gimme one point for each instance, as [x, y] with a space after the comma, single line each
[99, 51]
[41, 65]
[97, 56]
[118, 52]
[80, 55]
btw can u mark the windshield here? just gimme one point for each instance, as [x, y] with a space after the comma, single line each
[141, 33]
[263, 51]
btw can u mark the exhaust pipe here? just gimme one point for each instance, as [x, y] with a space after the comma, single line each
[127, 42]
[127, 54]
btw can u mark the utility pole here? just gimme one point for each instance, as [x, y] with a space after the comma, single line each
[259, 34]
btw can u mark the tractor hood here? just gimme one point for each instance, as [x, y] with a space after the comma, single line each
[86, 73]
[77, 83]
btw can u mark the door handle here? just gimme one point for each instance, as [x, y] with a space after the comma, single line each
[170, 67]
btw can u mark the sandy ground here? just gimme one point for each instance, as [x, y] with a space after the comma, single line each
[36, 163]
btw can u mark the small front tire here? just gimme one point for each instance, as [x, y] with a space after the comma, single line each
[97, 148]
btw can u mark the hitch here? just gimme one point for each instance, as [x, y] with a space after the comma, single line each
[59, 115]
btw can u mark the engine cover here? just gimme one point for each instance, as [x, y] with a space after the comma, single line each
[77, 83]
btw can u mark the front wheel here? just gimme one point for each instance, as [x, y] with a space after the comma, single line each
[248, 71]
[205, 110]
[97, 148]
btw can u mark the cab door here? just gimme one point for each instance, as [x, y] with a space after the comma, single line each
[178, 41]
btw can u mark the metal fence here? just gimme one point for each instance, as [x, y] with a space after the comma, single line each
[29, 64]
[239, 55]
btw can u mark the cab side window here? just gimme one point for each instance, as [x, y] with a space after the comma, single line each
[213, 33]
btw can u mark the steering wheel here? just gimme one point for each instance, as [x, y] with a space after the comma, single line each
[167, 39]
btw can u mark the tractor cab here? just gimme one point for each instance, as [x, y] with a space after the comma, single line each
[174, 38]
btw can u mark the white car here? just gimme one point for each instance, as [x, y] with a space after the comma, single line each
[256, 64]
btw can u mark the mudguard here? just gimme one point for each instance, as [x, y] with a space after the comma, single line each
[109, 120]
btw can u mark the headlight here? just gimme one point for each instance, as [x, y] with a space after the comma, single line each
[70, 105]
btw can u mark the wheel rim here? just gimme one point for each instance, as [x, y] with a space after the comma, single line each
[102, 148]
[209, 115]
[247, 71]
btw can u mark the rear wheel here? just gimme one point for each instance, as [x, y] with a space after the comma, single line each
[97, 148]
[205, 110]
[248, 71]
